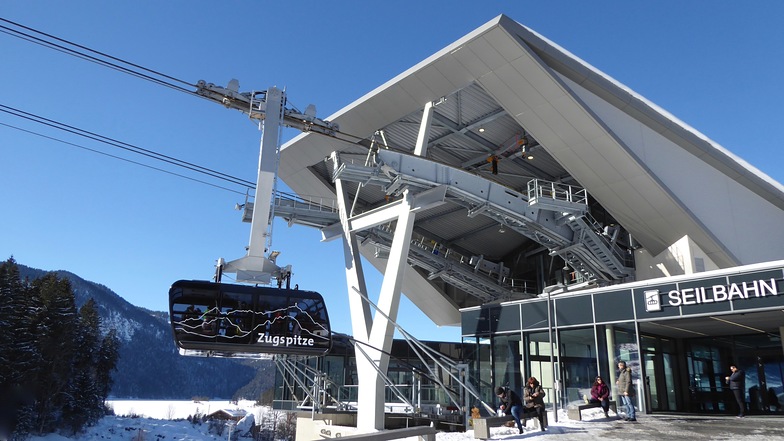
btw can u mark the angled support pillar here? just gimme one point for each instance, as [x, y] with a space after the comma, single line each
[424, 130]
[374, 334]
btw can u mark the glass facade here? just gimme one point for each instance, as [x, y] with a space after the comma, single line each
[679, 336]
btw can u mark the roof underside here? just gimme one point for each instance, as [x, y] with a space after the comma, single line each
[495, 89]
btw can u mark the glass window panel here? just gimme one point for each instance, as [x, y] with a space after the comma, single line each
[535, 315]
[578, 363]
[613, 306]
[573, 310]
[509, 318]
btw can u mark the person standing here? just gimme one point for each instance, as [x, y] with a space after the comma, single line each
[533, 394]
[600, 393]
[625, 389]
[510, 404]
[737, 382]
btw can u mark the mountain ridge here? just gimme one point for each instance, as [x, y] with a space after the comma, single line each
[150, 366]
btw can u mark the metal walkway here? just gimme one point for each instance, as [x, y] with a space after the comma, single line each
[554, 215]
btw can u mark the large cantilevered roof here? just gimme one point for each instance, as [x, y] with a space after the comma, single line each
[503, 86]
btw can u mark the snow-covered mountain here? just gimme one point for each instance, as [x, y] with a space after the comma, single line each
[149, 366]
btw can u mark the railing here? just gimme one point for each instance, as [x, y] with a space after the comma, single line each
[429, 395]
[438, 249]
[624, 258]
[538, 188]
[329, 205]
[313, 203]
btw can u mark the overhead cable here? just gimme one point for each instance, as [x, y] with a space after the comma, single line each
[119, 157]
[77, 50]
[125, 146]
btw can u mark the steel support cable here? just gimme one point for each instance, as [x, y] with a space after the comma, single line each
[429, 374]
[410, 339]
[103, 63]
[404, 363]
[52, 45]
[293, 367]
[121, 158]
[40, 41]
[125, 146]
[87, 57]
[354, 139]
[434, 374]
[306, 370]
[282, 368]
[387, 380]
[292, 370]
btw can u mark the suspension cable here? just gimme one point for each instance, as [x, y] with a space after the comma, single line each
[125, 146]
[31, 36]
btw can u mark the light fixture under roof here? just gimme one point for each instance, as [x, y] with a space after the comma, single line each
[481, 129]
[525, 152]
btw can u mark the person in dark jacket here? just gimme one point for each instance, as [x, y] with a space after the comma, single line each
[737, 383]
[533, 394]
[626, 391]
[600, 393]
[510, 404]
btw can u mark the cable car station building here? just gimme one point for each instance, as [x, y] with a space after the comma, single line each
[562, 220]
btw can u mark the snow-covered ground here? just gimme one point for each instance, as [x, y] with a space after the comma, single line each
[172, 410]
[154, 424]
[153, 420]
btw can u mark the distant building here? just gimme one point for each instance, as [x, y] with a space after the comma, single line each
[228, 414]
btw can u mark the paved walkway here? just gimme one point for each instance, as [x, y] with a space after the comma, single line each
[658, 427]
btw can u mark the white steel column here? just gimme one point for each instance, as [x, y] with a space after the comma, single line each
[361, 317]
[268, 168]
[609, 333]
[374, 336]
[424, 130]
[255, 267]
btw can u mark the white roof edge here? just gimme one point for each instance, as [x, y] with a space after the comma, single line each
[685, 136]
[490, 25]
[624, 93]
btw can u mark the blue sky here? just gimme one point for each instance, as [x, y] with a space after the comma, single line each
[716, 65]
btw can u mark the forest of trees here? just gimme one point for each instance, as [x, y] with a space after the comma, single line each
[56, 364]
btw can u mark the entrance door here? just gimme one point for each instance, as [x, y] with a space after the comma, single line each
[659, 371]
[762, 360]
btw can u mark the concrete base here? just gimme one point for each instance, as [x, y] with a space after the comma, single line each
[324, 426]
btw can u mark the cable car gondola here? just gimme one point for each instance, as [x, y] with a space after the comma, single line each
[225, 320]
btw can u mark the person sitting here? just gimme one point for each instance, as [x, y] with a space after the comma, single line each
[534, 399]
[510, 404]
[600, 393]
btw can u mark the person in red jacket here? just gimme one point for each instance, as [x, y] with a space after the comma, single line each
[600, 393]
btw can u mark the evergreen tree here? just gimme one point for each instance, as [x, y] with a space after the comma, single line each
[108, 356]
[83, 403]
[17, 336]
[56, 365]
[57, 326]
[19, 356]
